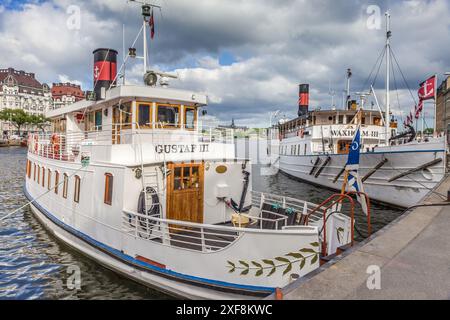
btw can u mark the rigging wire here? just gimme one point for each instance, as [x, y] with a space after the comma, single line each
[403, 76]
[378, 71]
[380, 58]
[396, 89]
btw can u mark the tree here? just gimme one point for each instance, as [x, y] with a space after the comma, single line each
[17, 117]
[39, 121]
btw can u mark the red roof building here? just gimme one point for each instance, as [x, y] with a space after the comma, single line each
[66, 93]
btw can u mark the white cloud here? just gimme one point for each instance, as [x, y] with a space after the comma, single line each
[276, 45]
[64, 79]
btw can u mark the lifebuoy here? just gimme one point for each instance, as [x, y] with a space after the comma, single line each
[55, 141]
[36, 140]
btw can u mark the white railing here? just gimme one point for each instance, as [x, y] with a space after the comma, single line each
[67, 146]
[210, 238]
[292, 205]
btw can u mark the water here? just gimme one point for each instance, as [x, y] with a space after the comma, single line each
[34, 265]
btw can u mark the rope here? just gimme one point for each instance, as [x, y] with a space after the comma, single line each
[38, 197]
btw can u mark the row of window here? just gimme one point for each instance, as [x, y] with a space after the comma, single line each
[294, 150]
[44, 177]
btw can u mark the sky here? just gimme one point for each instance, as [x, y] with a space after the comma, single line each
[248, 56]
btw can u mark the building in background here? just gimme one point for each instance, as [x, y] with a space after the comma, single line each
[21, 90]
[64, 94]
[443, 106]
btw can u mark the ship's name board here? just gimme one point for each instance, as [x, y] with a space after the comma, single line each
[350, 133]
[181, 148]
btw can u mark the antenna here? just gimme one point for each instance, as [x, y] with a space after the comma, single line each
[150, 76]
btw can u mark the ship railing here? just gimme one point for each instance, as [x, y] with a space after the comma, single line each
[67, 146]
[189, 235]
[289, 205]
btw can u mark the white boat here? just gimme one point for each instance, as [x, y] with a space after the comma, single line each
[398, 170]
[133, 181]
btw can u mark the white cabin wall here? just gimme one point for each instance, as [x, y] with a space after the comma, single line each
[215, 210]
[107, 215]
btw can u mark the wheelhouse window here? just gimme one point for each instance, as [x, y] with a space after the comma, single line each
[144, 115]
[65, 185]
[76, 195]
[94, 121]
[108, 188]
[49, 179]
[56, 182]
[98, 120]
[190, 118]
[168, 116]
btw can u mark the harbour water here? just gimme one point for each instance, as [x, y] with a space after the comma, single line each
[34, 265]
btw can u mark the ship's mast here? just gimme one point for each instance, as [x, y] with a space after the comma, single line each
[388, 69]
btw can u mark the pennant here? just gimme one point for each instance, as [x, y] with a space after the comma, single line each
[419, 109]
[152, 26]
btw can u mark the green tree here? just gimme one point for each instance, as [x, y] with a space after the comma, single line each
[17, 117]
[39, 121]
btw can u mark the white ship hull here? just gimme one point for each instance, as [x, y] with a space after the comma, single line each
[402, 192]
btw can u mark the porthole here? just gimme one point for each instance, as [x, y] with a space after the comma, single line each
[221, 169]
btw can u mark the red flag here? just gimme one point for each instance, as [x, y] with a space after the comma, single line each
[427, 89]
[152, 26]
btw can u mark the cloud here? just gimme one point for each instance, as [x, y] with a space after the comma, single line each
[65, 78]
[274, 45]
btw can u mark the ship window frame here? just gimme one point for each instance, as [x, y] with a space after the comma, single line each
[65, 185]
[149, 124]
[109, 186]
[77, 187]
[167, 125]
[39, 174]
[34, 172]
[186, 110]
[49, 178]
[56, 181]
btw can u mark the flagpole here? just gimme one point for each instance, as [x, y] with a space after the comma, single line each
[435, 105]
[145, 45]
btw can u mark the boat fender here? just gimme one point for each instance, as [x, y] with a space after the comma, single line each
[55, 141]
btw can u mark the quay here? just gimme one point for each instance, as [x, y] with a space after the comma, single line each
[412, 254]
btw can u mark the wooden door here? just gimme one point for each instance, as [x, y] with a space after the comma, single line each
[344, 146]
[185, 192]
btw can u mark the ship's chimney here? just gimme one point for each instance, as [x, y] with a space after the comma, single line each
[303, 99]
[105, 71]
